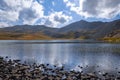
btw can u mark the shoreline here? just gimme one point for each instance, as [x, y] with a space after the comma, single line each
[60, 41]
[15, 70]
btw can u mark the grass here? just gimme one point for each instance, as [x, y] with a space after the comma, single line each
[41, 36]
[23, 36]
[116, 40]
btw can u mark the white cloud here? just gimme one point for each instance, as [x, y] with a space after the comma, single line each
[18, 4]
[41, 1]
[32, 14]
[53, 3]
[39, 9]
[27, 16]
[14, 10]
[8, 16]
[65, 0]
[57, 18]
[95, 8]
[29, 12]
[4, 24]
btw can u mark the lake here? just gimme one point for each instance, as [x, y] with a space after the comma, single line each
[71, 53]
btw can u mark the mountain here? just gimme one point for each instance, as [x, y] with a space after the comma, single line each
[26, 32]
[81, 26]
[23, 36]
[92, 29]
[77, 30]
[27, 29]
[107, 28]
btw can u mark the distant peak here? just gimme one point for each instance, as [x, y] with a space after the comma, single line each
[83, 21]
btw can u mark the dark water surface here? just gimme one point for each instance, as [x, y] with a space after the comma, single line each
[94, 56]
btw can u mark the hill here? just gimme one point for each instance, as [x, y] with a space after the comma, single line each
[77, 30]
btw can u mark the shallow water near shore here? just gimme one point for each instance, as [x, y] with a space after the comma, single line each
[97, 56]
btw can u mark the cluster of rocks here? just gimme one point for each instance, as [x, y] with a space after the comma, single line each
[15, 70]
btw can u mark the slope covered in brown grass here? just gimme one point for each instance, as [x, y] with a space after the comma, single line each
[23, 36]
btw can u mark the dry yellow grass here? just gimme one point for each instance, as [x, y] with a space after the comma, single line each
[109, 39]
[34, 37]
[19, 36]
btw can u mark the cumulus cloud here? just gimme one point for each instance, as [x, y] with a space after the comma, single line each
[8, 10]
[18, 3]
[60, 19]
[27, 16]
[8, 15]
[4, 24]
[32, 14]
[57, 18]
[95, 8]
[28, 11]
[33, 11]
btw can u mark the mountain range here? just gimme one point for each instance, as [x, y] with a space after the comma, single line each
[77, 30]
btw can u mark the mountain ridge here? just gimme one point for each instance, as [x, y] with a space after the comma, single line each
[76, 30]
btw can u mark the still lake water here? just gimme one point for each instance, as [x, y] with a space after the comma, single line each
[64, 52]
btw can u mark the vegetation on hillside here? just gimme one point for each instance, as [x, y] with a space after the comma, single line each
[113, 37]
[23, 36]
[105, 31]
[109, 39]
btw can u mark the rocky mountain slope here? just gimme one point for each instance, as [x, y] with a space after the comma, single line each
[76, 30]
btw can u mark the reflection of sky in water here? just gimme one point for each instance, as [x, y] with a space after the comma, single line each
[106, 56]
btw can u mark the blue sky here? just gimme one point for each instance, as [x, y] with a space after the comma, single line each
[56, 13]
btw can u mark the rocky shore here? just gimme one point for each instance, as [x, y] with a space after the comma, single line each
[15, 70]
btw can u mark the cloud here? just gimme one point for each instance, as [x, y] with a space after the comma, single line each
[57, 18]
[53, 3]
[48, 23]
[4, 24]
[60, 19]
[27, 16]
[106, 9]
[39, 12]
[32, 14]
[9, 11]
[18, 3]
[8, 15]
[27, 11]
[3, 5]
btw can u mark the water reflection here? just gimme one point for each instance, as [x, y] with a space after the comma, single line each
[104, 55]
